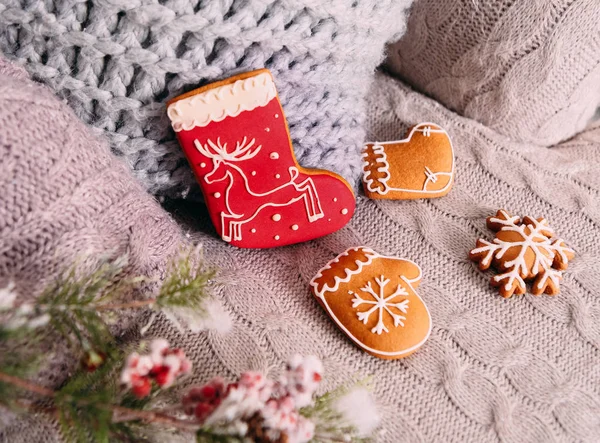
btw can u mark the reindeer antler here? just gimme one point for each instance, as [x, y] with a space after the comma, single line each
[204, 149]
[243, 150]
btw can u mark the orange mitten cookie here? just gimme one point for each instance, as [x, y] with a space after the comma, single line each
[419, 166]
[523, 250]
[372, 299]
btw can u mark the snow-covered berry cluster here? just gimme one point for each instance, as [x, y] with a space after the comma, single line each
[256, 405]
[163, 365]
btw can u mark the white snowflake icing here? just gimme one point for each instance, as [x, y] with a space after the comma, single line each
[535, 236]
[381, 303]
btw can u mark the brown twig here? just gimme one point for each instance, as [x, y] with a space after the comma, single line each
[128, 305]
[26, 385]
[109, 306]
[131, 414]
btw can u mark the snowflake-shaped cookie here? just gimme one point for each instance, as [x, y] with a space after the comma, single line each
[381, 303]
[523, 250]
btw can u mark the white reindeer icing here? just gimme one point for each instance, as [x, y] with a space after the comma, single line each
[243, 204]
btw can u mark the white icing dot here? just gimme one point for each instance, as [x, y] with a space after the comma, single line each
[276, 237]
[253, 230]
[344, 211]
[253, 172]
[276, 217]
[328, 219]
[294, 227]
[267, 129]
[277, 176]
[276, 115]
[203, 165]
[273, 155]
[217, 194]
[334, 199]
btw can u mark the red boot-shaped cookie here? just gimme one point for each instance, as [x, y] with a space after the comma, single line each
[235, 136]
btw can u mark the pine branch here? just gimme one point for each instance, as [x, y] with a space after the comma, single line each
[329, 423]
[186, 283]
[74, 304]
[72, 300]
[92, 405]
[128, 305]
[20, 359]
[26, 385]
[62, 399]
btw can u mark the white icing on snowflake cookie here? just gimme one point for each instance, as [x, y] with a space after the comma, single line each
[522, 251]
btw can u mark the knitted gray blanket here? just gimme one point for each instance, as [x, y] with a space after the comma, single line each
[518, 370]
[523, 369]
[117, 62]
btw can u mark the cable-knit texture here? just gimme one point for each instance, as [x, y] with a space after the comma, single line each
[66, 199]
[117, 62]
[528, 69]
[64, 195]
[518, 370]
[494, 370]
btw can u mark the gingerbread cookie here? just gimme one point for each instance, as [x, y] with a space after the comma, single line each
[235, 137]
[523, 250]
[372, 299]
[419, 166]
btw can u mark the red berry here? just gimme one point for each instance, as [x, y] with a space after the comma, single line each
[203, 410]
[92, 360]
[230, 386]
[316, 376]
[142, 388]
[208, 391]
[161, 374]
[194, 395]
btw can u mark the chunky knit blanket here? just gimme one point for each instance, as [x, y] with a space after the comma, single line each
[118, 62]
[518, 370]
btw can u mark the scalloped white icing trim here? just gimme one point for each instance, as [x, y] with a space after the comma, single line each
[379, 151]
[369, 253]
[219, 103]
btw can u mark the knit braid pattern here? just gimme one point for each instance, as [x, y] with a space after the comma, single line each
[494, 370]
[66, 200]
[117, 62]
[528, 69]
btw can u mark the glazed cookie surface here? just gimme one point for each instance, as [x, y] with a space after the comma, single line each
[372, 299]
[236, 139]
[418, 166]
[523, 250]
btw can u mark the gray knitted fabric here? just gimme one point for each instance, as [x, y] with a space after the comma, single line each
[65, 198]
[517, 370]
[528, 69]
[117, 62]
